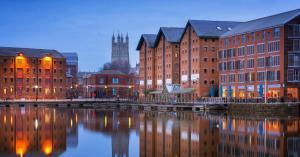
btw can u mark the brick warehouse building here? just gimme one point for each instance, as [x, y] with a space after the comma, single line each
[261, 52]
[182, 55]
[167, 56]
[198, 55]
[147, 63]
[110, 83]
[32, 73]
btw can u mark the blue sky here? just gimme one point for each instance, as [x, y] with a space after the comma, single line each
[86, 26]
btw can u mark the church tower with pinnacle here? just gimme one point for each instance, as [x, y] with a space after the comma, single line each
[120, 49]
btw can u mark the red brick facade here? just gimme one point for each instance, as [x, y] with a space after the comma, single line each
[229, 59]
[198, 62]
[111, 83]
[251, 60]
[32, 77]
[147, 64]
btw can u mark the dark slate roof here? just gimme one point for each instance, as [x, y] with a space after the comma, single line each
[262, 23]
[110, 72]
[172, 34]
[29, 52]
[148, 38]
[211, 29]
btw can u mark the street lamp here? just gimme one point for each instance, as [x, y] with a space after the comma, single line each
[36, 92]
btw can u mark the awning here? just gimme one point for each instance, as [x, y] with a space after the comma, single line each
[183, 91]
[177, 91]
[156, 92]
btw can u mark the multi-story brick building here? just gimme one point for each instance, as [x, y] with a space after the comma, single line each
[147, 63]
[72, 68]
[110, 83]
[167, 56]
[198, 55]
[260, 58]
[32, 74]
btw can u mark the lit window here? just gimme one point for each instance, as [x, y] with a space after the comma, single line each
[115, 80]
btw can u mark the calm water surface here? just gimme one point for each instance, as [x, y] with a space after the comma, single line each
[35, 132]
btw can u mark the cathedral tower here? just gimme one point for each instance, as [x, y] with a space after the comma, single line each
[120, 49]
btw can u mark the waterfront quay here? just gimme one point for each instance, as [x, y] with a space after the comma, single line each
[129, 104]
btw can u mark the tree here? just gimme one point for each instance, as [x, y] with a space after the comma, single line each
[121, 66]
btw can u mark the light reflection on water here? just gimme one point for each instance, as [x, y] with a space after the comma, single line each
[29, 131]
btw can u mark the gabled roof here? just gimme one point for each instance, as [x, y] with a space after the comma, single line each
[172, 34]
[262, 23]
[29, 52]
[210, 29]
[148, 38]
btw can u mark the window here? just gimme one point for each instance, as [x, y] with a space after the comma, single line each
[241, 77]
[260, 62]
[114, 91]
[244, 38]
[273, 61]
[294, 60]
[230, 65]
[19, 61]
[241, 51]
[250, 63]
[47, 71]
[273, 46]
[276, 33]
[260, 48]
[231, 78]
[293, 75]
[222, 66]
[102, 80]
[263, 35]
[273, 75]
[296, 30]
[223, 78]
[230, 53]
[296, 45]
[250, 50]
[260, 76]
[213, 49]
[115, 81]
[253, 37]
[222, 54]
[19, 81]
[239, 64]
[249, 77]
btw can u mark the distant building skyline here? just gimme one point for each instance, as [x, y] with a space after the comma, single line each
[86, 27]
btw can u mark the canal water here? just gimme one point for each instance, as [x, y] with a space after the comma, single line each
[65, 132]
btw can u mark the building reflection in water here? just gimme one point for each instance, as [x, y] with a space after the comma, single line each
[190, 135]
[32, 131]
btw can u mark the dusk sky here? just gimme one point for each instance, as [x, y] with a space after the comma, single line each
[86, 26]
